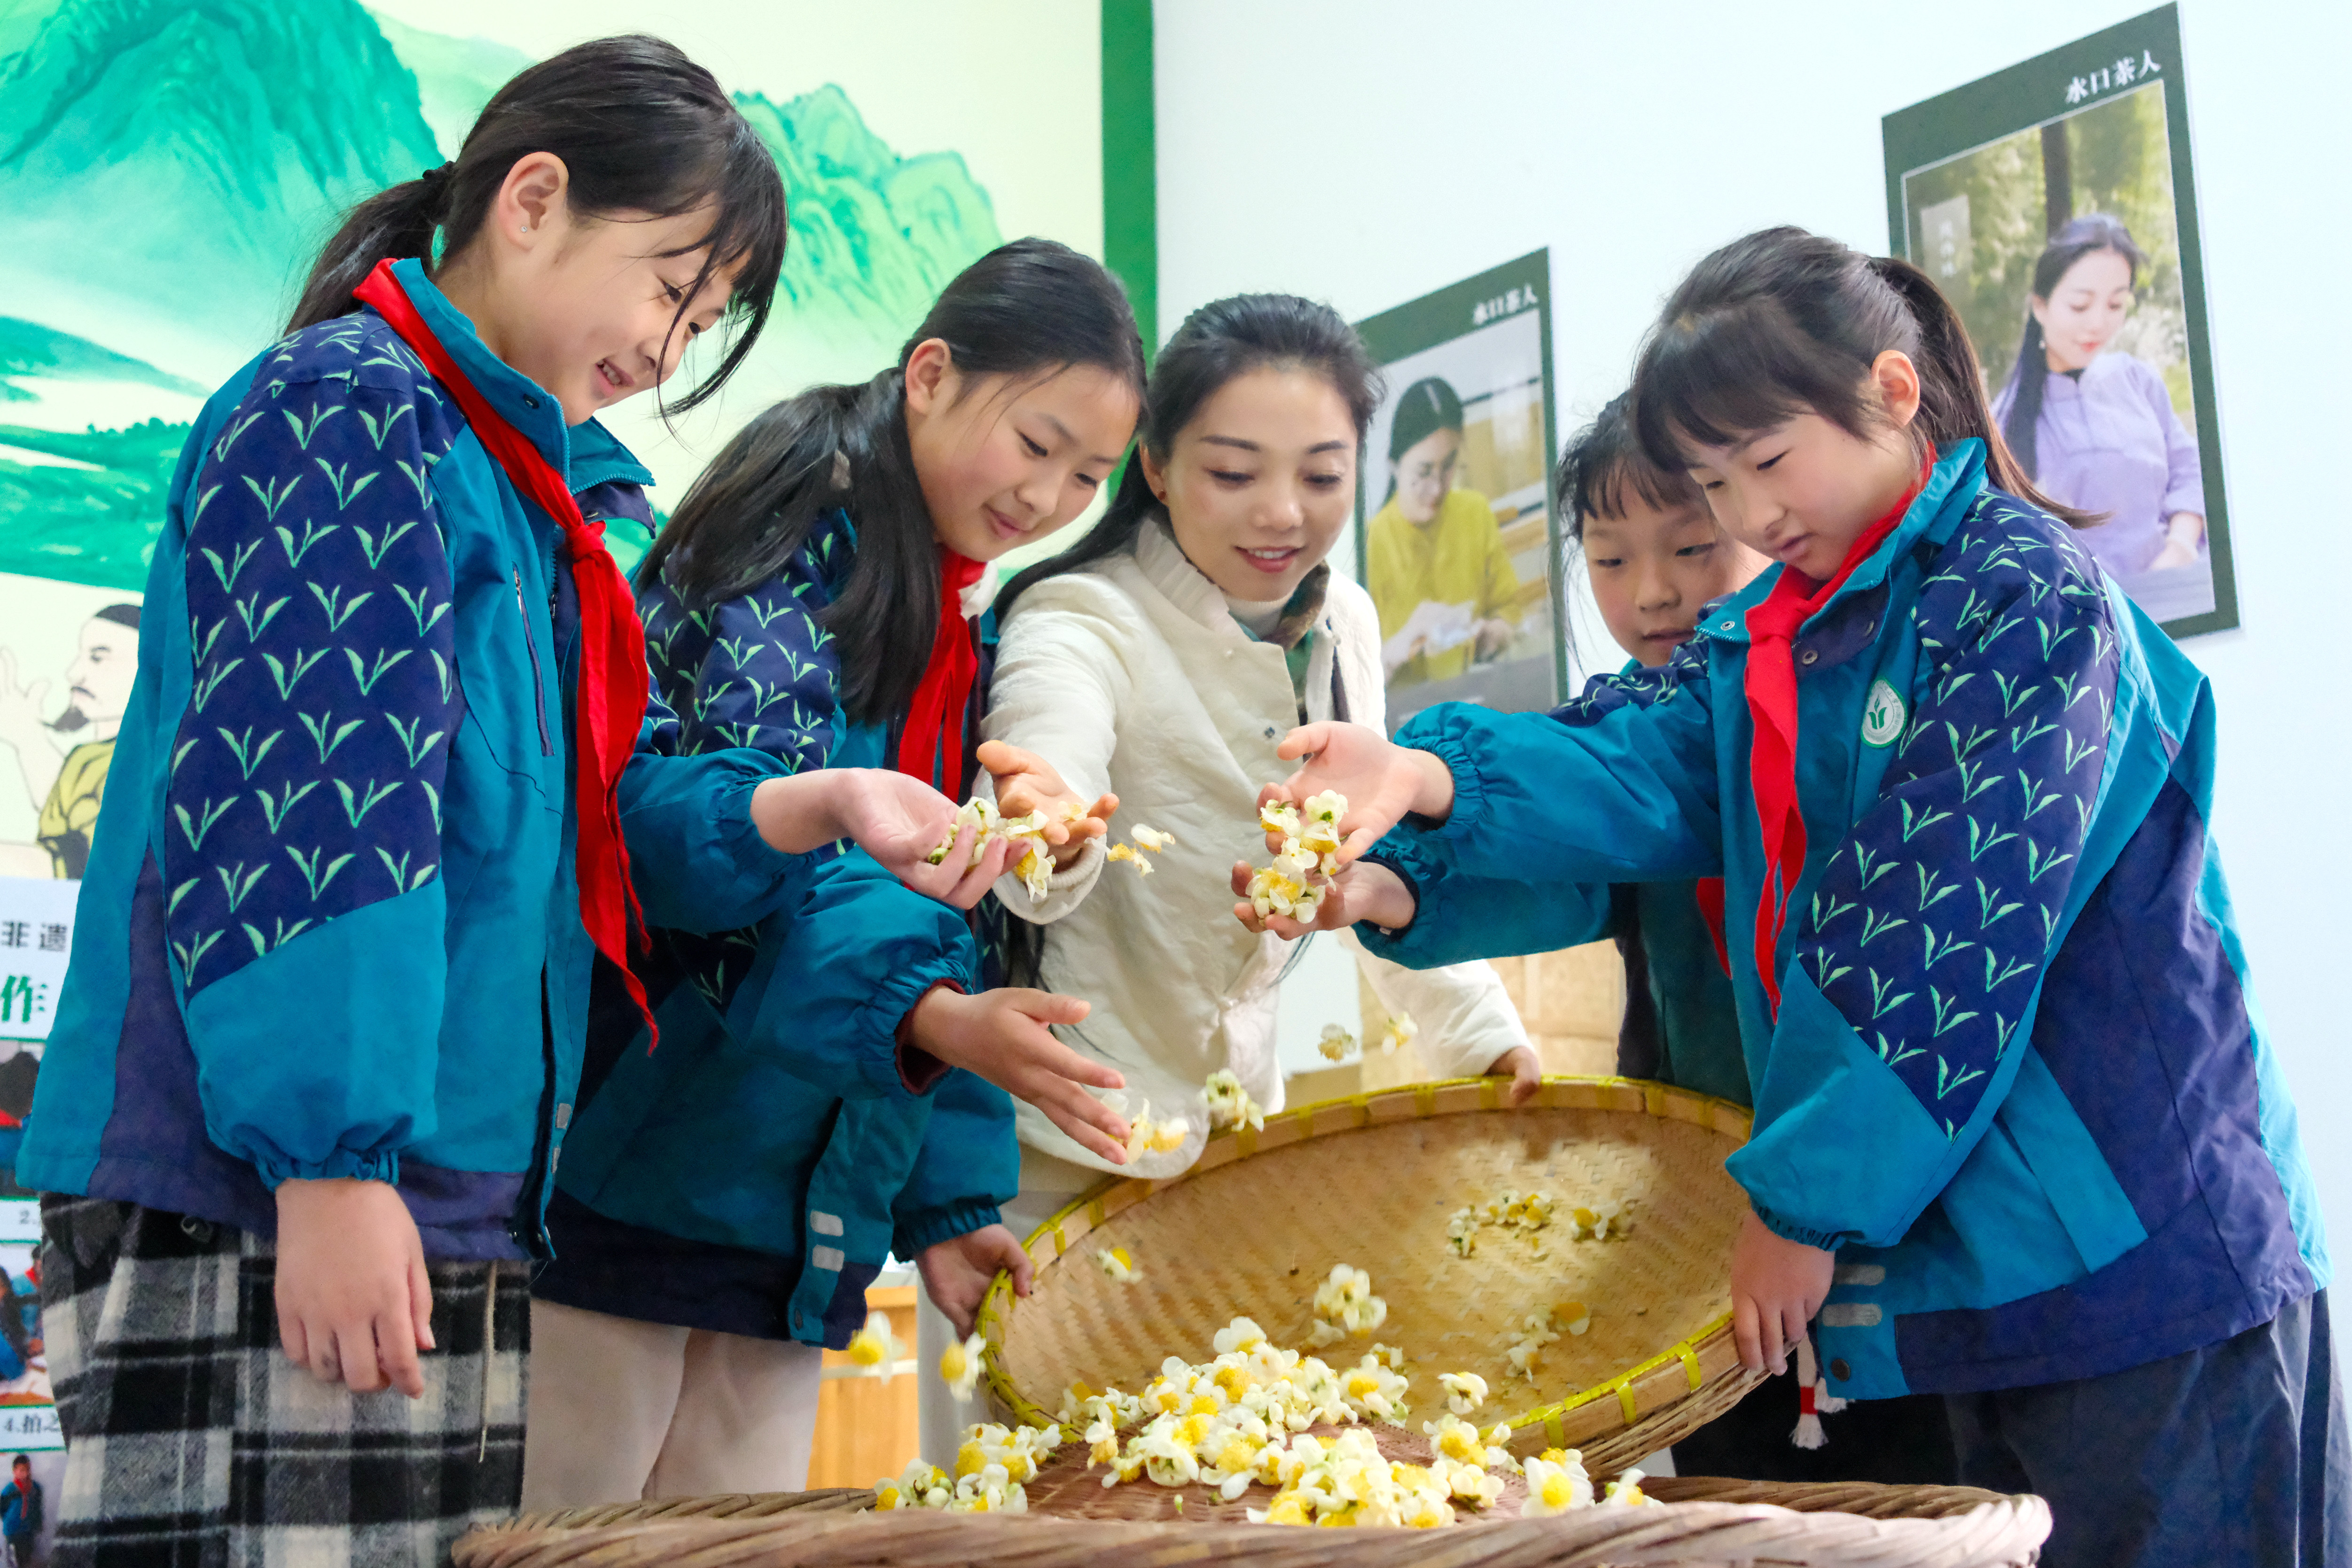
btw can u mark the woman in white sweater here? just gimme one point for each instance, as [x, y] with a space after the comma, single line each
[1152, 668]
[1160, 661]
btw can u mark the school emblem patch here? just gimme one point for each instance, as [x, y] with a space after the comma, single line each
[1882, 715]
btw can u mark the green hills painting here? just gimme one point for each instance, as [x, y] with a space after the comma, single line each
[168, 168]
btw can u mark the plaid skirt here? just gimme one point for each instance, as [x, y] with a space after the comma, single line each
[192, 1442]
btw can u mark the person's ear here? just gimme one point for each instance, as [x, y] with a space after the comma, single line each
[1155, 473]
[931, 377]
[533, 196]
[1896, 380]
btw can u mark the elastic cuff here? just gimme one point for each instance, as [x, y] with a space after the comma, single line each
[918, 1071]
[754, 855]
[1827, 1240]
[878, 1030]
[382, 1164]
[1401, 867]
[1469, 791]
[928, 1229]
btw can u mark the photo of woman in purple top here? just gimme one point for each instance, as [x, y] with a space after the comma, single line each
[2097, 430]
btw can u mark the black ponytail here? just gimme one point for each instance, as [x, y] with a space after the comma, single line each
[1784, 322]
[640, 129]
[2091, 233]
[1216, 343]
[1026, 309]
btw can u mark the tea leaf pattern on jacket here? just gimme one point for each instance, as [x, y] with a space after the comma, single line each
[307, 774]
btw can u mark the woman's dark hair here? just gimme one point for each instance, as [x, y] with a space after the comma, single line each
[1429, 405]
[1217, 343]
[640, 129]
[2086, 235]
[1026, 311]
[1784, 322]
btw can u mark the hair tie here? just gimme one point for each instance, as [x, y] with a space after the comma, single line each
[434, 179]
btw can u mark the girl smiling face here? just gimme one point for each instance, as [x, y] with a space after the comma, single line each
[1260, 483]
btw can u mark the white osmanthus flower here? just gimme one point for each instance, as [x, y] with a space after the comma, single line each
[1151, 839]
[1230, 1105]
[1555, 1483]
[1115, 1262]
[989, 1469]
[1401, 1030]
[1308, 847]
[960, 1365]
[1128, 854]
[1626, 1491]
[986, 824]
[1464, 1391]
[1279, 817]
[874, 1351]
[1462, 1230]
[1336, 1043]
[1148, 1133]
[1345, 1302]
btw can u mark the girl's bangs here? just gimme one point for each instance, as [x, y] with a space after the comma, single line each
[749, 230]
[1719, 379]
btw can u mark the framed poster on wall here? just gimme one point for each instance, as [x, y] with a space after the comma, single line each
[2056, 203]
[1456, 539]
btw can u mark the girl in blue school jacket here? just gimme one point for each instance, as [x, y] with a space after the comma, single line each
[388, 790]
[725, 1200]
[2020, 1139]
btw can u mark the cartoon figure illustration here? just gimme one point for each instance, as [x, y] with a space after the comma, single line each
[63, 761]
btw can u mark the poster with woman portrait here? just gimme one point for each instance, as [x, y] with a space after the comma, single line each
[1455, 537]
[2053, 202]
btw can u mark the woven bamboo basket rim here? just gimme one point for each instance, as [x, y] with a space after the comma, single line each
[1993, 1532]
[1703, 1357]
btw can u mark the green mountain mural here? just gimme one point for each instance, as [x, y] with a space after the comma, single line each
[221, 138]
[194, 155]
[28, 350]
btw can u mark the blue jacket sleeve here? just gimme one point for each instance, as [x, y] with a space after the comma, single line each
[969, 1167]
[839, 970]
[1458, 917]
[1926, 937]
[697, 863]
[753, 681]
[1617, 786]
[301, 838]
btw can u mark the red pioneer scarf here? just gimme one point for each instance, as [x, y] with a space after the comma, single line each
[611, 701]
[1771, 689]
[933, 737]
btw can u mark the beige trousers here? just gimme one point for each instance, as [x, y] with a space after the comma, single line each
[622, 1410]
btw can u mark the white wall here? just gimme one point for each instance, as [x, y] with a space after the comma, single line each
[1372, 151]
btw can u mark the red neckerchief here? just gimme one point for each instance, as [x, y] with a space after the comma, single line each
[1772, 690]
[933, 737]
[610, 704]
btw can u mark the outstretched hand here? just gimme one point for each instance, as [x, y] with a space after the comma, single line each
[1004, 1036]
[1364, 889]
[1382, 780]
[1026, 782]
[900, 821]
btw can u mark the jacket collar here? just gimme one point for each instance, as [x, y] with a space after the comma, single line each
[1951, 488]
[586, 456]
[1167, 569]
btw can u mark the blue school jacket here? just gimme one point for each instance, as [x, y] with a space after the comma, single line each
[329, 925]
[776, 1116]
[2017, 1079]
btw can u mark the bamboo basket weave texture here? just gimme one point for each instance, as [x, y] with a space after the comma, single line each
[1914, 1527]
[1253, 1228]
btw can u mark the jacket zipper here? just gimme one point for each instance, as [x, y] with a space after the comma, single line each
[538, 679]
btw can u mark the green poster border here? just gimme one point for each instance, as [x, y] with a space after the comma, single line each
[1449, 313]
[1130, 161]
[2031, 94]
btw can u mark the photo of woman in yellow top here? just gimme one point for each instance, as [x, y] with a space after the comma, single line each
[1435, 559]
